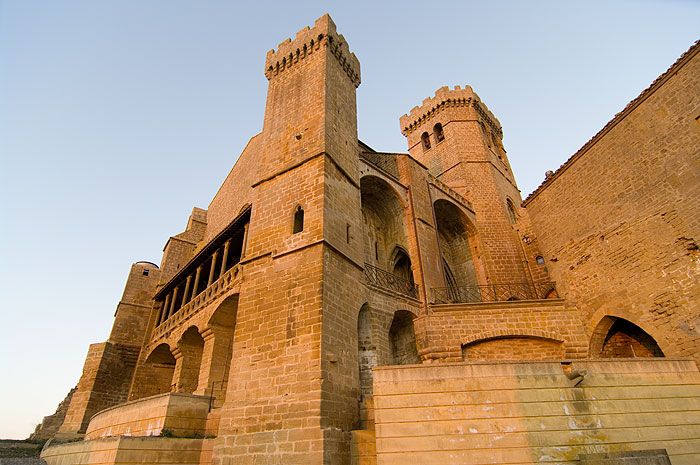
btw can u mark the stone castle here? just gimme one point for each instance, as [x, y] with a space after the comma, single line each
[339, 305]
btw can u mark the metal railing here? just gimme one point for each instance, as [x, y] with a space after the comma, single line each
[385, 280]
[494, 293]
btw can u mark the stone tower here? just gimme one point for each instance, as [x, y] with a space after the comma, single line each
[461, 143]
[293, 377]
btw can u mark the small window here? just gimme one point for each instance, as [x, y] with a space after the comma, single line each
[540, 260]
[439, 135]
[145, 272]
[347, 233]
[511, 211]
[425, 139]
[298, 220]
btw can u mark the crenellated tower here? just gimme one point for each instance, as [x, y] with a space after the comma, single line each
[460, 141]
[292, 337]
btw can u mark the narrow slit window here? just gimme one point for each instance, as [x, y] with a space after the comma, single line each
[511, 211]
[347, 233]
[298, 220]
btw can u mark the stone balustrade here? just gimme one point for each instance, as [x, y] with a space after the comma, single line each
[201, 300]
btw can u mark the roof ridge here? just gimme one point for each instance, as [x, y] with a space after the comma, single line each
[618, 117]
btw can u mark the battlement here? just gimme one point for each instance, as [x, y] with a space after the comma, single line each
[308, 41]
[448, 98]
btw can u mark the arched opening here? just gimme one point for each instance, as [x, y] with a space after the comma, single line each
[213, 378]
[455, 238]
[298, 220]
[439, 134]
[158, 372]
[402, 339]
[401, 265]
[383, 215]
[367, 351]
[425, 140]
[516, 347]
[619, 338]
[191, 346]
[511, 211]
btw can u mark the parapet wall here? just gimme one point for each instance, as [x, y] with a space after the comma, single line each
[308, 41]
[531, 412]
[445, 98]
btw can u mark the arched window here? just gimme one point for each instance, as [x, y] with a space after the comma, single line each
[425, 139]
[298, 220]
[439, 135]
[511, 211]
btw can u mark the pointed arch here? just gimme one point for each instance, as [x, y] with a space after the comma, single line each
[616, 337]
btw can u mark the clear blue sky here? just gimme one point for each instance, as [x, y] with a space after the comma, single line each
[117, 117]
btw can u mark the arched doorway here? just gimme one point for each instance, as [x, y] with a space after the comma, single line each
[401, 265]
[616, 337]
[402, 339]
[191, 346]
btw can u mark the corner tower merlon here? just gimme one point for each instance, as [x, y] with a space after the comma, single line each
[311, 103]
[459, 117]
[308, 41]
[447, 100]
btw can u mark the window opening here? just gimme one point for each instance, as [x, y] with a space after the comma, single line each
[439, 134]
[425, 138]
[298, 220]
[511, 211]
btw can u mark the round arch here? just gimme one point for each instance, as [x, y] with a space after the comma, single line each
[402, 339]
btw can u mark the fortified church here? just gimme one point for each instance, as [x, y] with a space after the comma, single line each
[339, 305]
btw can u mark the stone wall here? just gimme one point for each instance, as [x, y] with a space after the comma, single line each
[619, 223]
[531, 412]
[50, 424]
[174, 414]
[451, 328]
[128, 450]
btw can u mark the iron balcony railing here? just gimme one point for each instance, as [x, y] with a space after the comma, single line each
[494, 293]
[385, 280]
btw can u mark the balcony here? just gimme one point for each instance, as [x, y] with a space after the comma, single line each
[494, 293]
[388, 281]
[228, 280]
